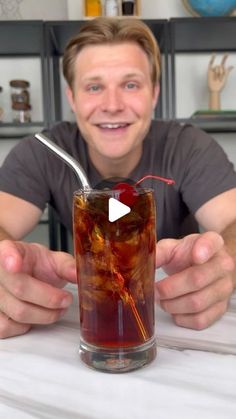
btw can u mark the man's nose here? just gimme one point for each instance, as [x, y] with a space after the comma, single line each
[112, 101]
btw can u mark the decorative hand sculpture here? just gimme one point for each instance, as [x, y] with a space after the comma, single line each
[216, 77]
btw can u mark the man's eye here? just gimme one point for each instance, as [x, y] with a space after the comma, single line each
[131, 85]
[94, 88]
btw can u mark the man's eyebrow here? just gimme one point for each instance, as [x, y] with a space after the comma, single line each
[88, 78]
[91, 78]
[134, 74]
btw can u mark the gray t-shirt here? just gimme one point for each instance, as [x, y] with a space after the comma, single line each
[184, 153]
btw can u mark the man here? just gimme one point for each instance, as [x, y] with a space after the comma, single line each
[112, 69]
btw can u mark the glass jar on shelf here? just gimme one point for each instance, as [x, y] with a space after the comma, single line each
[20, 101]
[21, 113]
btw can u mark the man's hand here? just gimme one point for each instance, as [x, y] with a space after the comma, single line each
[200, 282]
[30, 281]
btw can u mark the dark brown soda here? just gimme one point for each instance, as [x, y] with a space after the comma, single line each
[116, 265]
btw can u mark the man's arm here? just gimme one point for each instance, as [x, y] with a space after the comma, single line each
[201, 268]
[17, 217]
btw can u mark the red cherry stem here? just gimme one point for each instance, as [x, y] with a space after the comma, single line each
[163, 179]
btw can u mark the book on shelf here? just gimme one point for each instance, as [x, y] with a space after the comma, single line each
[227, 114]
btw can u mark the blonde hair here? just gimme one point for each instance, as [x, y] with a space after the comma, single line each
[104, 30]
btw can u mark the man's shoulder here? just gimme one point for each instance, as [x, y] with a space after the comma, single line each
[171, 132]
[162, 130]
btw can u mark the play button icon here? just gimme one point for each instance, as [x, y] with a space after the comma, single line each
[116, 209]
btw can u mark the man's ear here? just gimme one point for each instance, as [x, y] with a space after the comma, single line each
[70, 98]
[156, 92]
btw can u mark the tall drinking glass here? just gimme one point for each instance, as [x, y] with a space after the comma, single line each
[115, 268]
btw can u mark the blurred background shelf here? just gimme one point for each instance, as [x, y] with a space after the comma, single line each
[192, 37]
[19, 130]
[208, 125]
[44, 43]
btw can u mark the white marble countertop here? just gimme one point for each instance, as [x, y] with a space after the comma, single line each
[41, 375]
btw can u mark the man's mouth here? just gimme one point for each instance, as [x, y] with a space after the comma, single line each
[109, 125]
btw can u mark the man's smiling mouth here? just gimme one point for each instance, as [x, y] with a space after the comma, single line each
[113, 125]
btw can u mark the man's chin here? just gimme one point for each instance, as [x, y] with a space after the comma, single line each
[113, 155]
[113, 150]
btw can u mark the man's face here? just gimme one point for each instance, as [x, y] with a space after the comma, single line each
[113, 99]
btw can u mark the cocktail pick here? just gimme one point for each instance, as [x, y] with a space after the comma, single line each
[66, 158]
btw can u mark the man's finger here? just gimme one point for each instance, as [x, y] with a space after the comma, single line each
[25, 288]
[200, 300]
[65, 266]
[177, 255]
[190, 280]
[50, 266]
[205, 246]
[24, 312]
[11, 255]
[164, 251]
[9, 327]
[199, 321]
[38, 261]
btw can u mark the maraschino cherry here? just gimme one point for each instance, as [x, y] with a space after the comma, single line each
[128, 194]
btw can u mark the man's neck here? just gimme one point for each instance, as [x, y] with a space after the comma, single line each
[109, 168]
